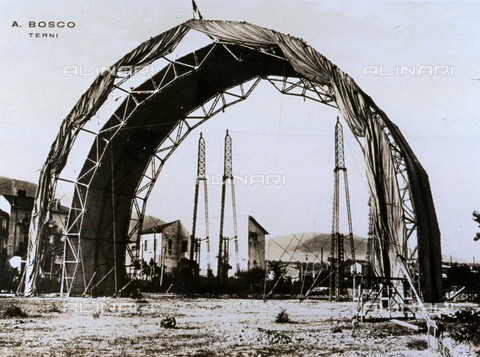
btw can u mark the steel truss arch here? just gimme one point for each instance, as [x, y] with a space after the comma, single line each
[259, 56]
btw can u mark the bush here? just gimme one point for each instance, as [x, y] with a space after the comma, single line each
[417, 344]
[54, 308]
[46, 285]
[13, 311]
[465, 326]
[9, 278]
[282, 317]
[168, 322]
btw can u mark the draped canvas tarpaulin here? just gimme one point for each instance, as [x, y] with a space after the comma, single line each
[357, 108]
[85, 108]
[364, 118]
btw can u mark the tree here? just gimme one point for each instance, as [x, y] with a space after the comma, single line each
[278, 269]
[463, 275]
[476, 218]
[9, 278]
[185, 269]
[185, 273]
[52, 245]
[151, 269]
[51, 248]
[281, 282]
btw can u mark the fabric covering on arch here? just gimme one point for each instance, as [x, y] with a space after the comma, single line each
[362, 115]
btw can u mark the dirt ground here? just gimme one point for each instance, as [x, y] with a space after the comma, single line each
[204, 328]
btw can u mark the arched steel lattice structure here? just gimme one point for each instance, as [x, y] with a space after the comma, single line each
[130, 150]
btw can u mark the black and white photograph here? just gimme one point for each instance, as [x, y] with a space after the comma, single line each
[254, 178]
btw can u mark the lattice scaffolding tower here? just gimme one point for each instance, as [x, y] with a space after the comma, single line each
[337, 252]
[195, 243]
[223, 246]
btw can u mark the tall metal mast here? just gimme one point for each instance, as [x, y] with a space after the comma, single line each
[223, 264]
[370, 253]
[201, 176]
[337, 248]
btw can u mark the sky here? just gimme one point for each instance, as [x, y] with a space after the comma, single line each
[390, 48]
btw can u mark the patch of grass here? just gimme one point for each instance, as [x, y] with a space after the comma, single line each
[124, 341]
[203, 353]
[337, 350]
[271, 351]
[337, 329]
[282, 317]
[54, 308]
[72, 348]
[10, 344]
[465, 326]
[13, 311]
[417, 344]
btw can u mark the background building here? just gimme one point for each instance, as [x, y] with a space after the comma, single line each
[256, 244]
[16, 205]
[166, 243]
[17, 210]
[4, 225]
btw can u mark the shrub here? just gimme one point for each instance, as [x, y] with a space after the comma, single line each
[168, 322]
[466, 326]
[282, 317]
[9, 278]
[46, 285]
[417, 344]
[54, 308]
[13, 311]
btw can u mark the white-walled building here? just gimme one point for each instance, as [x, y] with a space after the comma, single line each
[256, 244]
[16, 204]
[251, 245]
[170, 242]
[164, 243]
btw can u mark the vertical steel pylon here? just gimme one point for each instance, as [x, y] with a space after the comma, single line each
[201, 176]
[370, 253]
[337, 239]
[223, 264]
